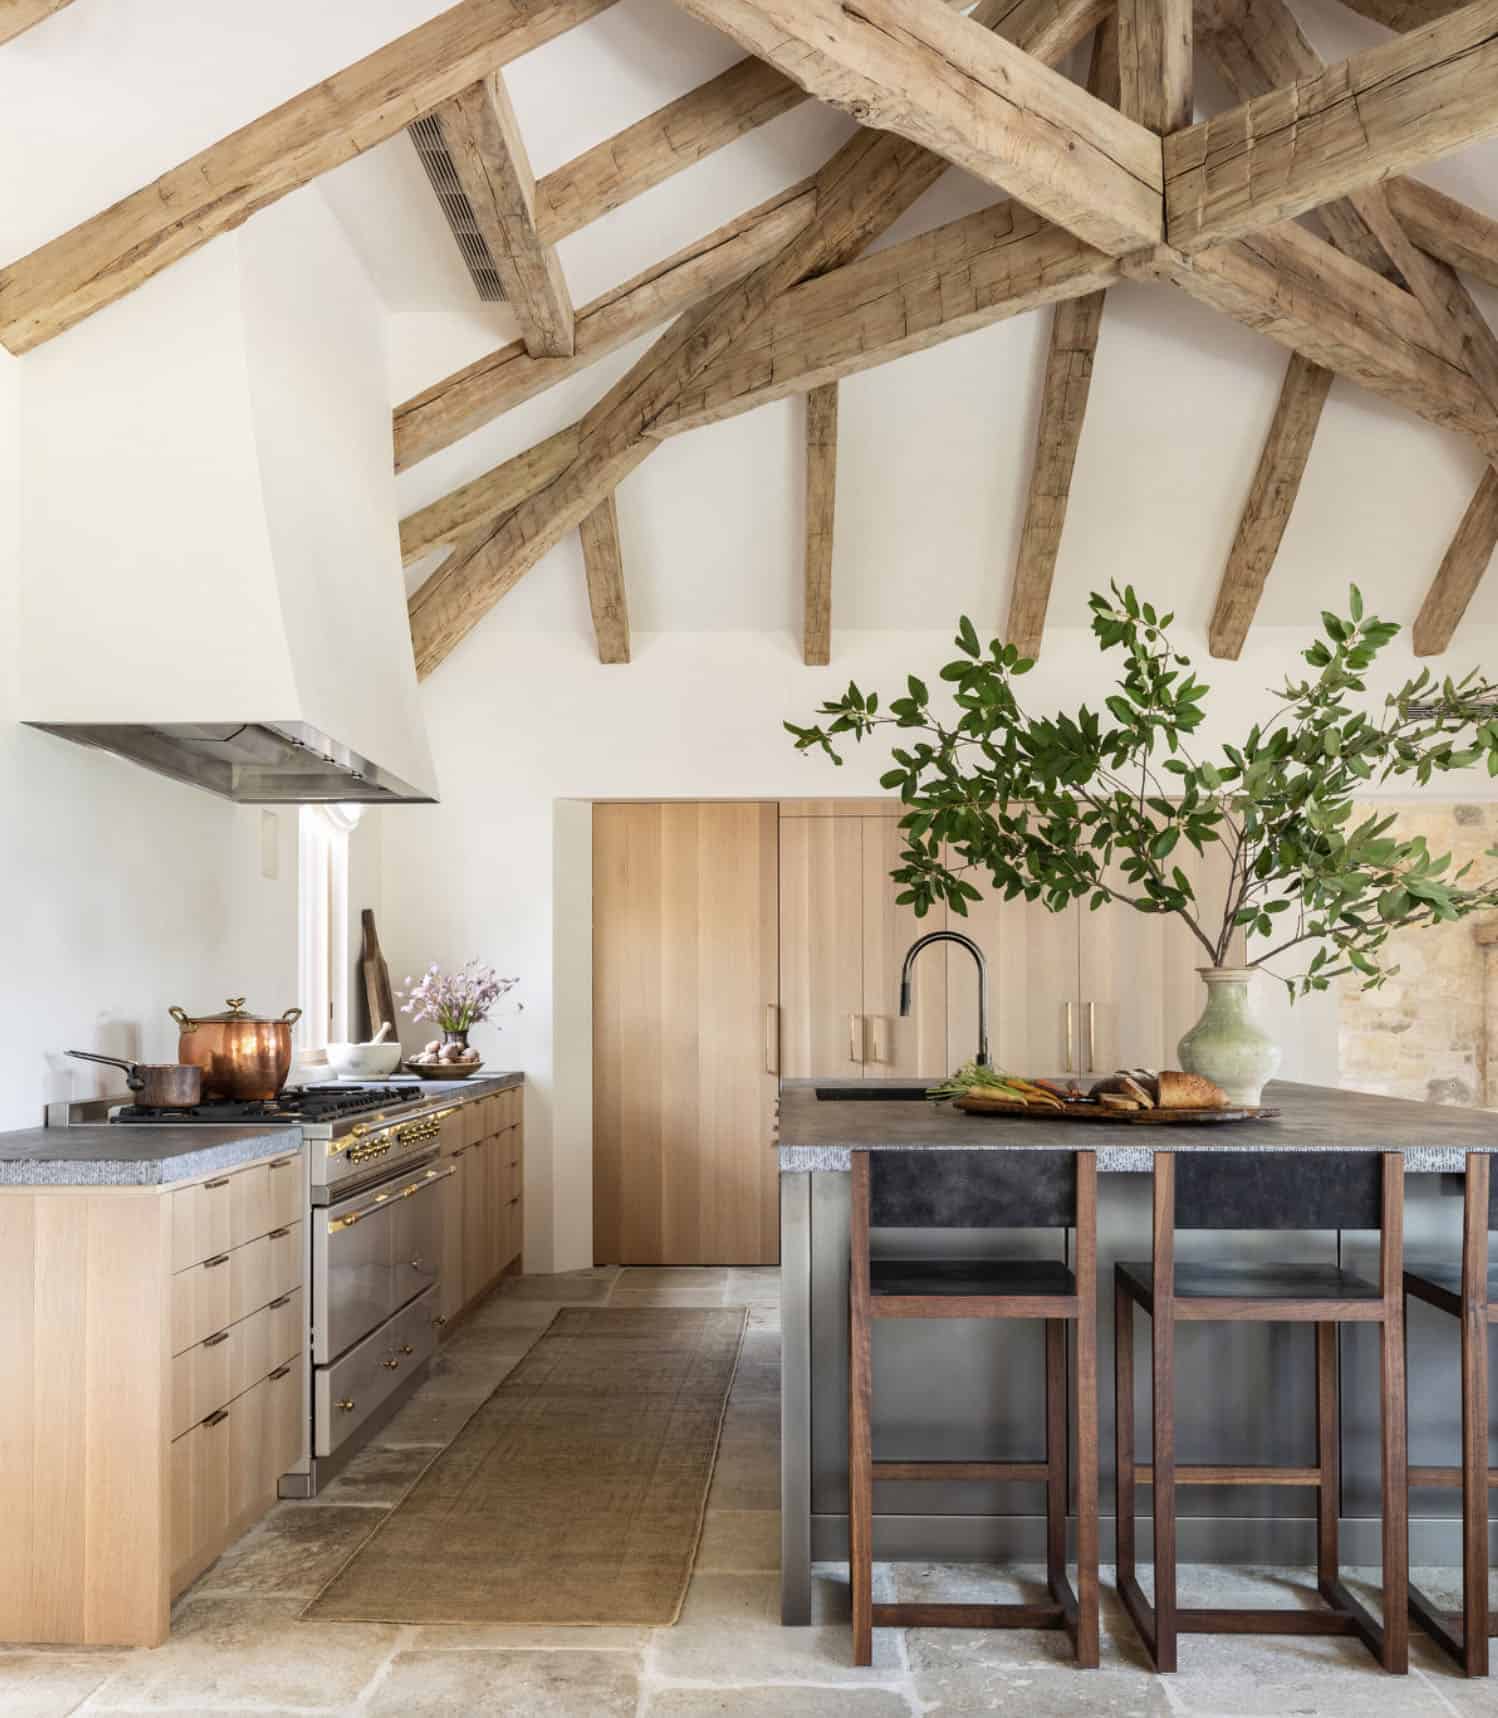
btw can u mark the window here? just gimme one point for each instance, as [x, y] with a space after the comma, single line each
[323, 930]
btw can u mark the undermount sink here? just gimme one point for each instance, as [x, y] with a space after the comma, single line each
[875, 1094]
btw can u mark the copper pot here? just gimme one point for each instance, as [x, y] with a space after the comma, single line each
[156, 1085]
[242, 1055]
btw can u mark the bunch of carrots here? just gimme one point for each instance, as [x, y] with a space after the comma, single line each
[994, 1082]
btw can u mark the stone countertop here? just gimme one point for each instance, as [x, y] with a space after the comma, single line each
[822, 1134]
[107, 1155]
[475, 1086]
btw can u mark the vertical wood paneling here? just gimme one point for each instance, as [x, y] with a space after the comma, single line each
[918, 1045]
[821, 946]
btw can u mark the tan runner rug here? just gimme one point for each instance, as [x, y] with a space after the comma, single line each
[574, 1495]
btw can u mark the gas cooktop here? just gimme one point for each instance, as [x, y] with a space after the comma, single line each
[308, 1105]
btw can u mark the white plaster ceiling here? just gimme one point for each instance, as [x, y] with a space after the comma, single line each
[934, 449]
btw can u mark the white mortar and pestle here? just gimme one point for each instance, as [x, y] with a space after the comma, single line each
[374, 1060]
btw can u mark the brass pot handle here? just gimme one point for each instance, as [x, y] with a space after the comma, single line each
[291, 1016]
[180, 1015]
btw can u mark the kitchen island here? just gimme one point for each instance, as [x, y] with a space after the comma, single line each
[960, 1390]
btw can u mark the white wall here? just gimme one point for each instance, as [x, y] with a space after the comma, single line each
[522, 723]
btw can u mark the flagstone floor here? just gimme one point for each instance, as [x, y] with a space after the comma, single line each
[237, 1645]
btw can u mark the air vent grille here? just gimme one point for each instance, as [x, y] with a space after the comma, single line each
[426, 134]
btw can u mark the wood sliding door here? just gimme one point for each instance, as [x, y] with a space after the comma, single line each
[685, 982]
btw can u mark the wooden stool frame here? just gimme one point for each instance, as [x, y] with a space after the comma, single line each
[1465, 1635]
[1160, 1624]
[1075, 1611]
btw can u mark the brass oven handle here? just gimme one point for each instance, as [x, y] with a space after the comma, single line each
[1070, 1038]
[383, 1199]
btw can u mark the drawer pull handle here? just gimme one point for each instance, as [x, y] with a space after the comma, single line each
[515, 1200]
[346, 1406]
[218, 1418]
[279, 1302]
[280, 1372]
[283, 1163]
[213, 1186]
[217, 1260]
[278, 1234]
[213, 1341]
[392, 1363]
[440, 1320]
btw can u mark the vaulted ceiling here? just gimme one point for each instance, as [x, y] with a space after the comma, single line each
[1131, 427]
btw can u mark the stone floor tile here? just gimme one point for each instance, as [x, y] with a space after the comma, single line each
[433, 1417]
[425, 1684]
[706, 1298]
[291, 1554]
[564, 1289]
[380, 1475]
[510, 1312]
[48, 1685]
[248, 1653]
[635, 1278]
[538, 1637]
[740, 1542]
[764, 1317]
[730, 1633]
[496, 1343]
[669, 1702]
[747, 1476]
[954, 1680]
[468, 1373]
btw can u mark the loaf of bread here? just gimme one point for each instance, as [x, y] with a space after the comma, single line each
[1180, 1091]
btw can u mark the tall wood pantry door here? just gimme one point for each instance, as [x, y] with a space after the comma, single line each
[685, 982]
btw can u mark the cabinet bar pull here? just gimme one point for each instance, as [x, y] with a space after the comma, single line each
[222, 1181]
[283, 1300]
[855, 1038]
[217, 1260]
[213, 1341]
[881, 1048]
[278, 1234]
[772, 1040]
[280, 1372]
[282, 1163]
[1091, 1037]
[217, 1419]
[1070, 1038]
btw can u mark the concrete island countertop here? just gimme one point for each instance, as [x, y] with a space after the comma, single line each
[111, 1154]
[822, 1134]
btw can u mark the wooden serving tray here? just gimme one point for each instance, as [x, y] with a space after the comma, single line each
[975, 1106]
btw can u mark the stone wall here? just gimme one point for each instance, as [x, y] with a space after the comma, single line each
[1423, 1035]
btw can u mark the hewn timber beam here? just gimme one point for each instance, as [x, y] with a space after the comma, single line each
[473, 396]
[1155, 63]
[821, 510]
[1445, 228]
[937, 78]
[1067, 380]
[19, 15]
[749, 94]
[489, 157]
[504, 486]
[1460, 572]
[1295, 288]
[1384, 111]
[866, 186]
[111, 254]
[1271, 499]
[604, 564]
[1402, 15]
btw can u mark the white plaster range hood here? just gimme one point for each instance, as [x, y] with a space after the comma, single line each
[211, 578]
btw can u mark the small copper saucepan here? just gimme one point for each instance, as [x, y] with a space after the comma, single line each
[157, 1085]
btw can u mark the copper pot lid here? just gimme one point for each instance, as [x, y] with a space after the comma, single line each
[235, 1012]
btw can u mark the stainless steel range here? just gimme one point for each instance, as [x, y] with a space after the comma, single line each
[375, 1243]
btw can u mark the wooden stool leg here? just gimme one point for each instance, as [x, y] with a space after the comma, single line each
[1329, 1462]
[1475, 1419]
[1395, 1455]
[1055, 1451]
[860, 1431]
[1087, 1418]
[1123, 1431]
[1163, 1405]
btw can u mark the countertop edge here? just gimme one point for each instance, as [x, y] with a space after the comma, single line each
[210, 1157]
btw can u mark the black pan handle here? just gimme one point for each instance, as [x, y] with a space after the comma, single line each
[134, 1079]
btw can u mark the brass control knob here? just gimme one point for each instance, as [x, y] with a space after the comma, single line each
[406, 1348]
[347, 1404]
[392, 1364]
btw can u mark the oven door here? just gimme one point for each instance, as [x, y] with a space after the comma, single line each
[373, 1252]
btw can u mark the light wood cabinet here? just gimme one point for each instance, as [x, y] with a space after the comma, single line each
[480, 1202]
[821, 948]
[915, 1046]
[452, 1291]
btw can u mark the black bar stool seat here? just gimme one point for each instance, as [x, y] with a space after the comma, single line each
[999, 1278]
[1276, 1281]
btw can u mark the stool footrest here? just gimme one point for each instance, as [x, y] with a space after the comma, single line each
[989, 1470]
[973, 1306]
[1265, 1622]
[1144, 1474]
[919, 1616]
[1446, 1476]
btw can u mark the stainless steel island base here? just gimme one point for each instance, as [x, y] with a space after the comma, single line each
[969, 1390]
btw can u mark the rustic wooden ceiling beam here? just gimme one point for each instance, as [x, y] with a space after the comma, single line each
[484, 390]
[866, 186]
[1383, 111]
[1447, 229]
[821, 509]
[111, 254]
[504, 486]
[916, 68]
[603, 562]
[19, 15]
[1065, 385]
[1461, 571]
[1155, 58]
[488, 154]
[1403, 15]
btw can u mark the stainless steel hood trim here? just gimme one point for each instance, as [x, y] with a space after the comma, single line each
[250, 763]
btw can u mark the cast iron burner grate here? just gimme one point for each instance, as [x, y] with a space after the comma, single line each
[297, 1103]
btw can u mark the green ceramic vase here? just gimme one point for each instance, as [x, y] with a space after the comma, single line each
[1227, 1045]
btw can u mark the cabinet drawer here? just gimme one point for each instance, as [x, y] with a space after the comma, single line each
[200, 1222]
[201, 1381]
[200, 1498]
[249, 1278]
[202, 1301]
[286, 1198]
[250, 1203]
[285, 1259]
[288, 1327]
[472, 1118]
[353, 1387]
[250, 1494]
[286, 1423]
[514, 1230]
[509, 1102]
[512, 1179]
[250, 1356]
